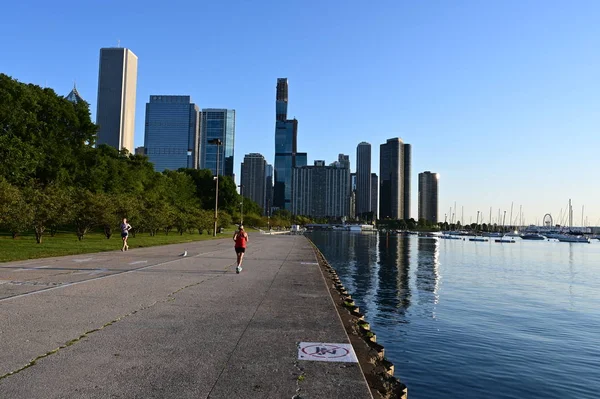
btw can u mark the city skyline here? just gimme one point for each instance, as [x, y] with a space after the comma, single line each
[505, 117]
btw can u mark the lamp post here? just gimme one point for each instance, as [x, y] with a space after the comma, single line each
[216, 142]
[241, 186]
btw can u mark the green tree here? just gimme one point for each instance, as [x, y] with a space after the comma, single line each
[88, 212]
[41, 134]
[15, 215]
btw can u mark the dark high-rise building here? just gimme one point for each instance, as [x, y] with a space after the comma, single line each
[268, 189]
[363, 179]
[286, 155]
[407, 190]
[352, 195]
[217, 124]
[281, 100]
[374, 195]
[428, 196]
[254, 178]
[320, 190]
[171, 137]
[117, 82]
[392, 174]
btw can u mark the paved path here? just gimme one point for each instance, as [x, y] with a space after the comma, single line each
[149, 323]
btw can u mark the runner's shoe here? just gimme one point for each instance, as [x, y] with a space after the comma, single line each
[238, 269]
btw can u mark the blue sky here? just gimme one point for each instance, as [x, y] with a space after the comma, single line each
[500, 98]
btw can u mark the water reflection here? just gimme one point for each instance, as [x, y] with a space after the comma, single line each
[428, 270]
[393, 294]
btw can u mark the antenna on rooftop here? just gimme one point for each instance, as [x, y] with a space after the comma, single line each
[118, 42]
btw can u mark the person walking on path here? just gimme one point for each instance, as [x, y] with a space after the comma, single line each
[241, 238]
[125, 227]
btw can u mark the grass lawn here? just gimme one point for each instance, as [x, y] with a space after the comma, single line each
[66, 243]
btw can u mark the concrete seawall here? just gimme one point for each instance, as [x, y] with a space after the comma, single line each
[378, 371]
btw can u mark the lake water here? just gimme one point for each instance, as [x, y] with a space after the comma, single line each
[463, 319]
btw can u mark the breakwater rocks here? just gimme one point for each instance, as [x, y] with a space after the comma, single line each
[378, 371]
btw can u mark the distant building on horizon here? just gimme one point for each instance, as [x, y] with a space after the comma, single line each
[74, 96]
[428, 196]
[394, 171]
[171, 135]
[363, 179]
[217, 123]
[117, 84]
[374, 195]
[287, 156]
[344, 162]
[352, 195]
[406, 172]
[268, 189]
[140, 150]
[254, 178]
[320, 190]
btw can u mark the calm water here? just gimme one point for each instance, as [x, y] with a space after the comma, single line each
[463, 319]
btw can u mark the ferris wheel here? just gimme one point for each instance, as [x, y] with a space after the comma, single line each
[548, 220]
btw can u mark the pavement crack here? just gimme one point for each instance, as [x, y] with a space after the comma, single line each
[170, 297]
[301, 377]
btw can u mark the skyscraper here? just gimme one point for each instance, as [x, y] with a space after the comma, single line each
[394, 170]
[374, 195]
[281, 99]
[353, 195]
[363, 179]
[320, 190]
[406, 172]
[171, 137]
[217, 124]
[286, 155]
[428, 196]
[117, 82]
[268, 189]
[254, 178]
[74, 96]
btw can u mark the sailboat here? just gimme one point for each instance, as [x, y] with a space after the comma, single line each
[503, 238]
[571, 237]
[478, 238]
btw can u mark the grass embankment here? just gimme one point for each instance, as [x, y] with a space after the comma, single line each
[25, 247]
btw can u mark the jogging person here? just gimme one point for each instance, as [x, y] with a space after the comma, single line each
[241, 238]
[125, 227]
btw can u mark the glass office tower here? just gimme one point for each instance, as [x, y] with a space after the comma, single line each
[171, 134]
[286, 155]
[217, 124]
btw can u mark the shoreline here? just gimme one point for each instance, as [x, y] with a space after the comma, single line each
[378, 371]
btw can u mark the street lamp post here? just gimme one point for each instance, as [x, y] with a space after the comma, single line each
[217, 142]
[241, 186]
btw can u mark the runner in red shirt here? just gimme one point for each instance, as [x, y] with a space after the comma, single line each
[241, 238]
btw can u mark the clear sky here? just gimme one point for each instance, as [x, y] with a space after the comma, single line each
[501, 98]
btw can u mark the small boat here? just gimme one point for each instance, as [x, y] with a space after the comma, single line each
[479, 239]
[532, 236]
[449, 237]
[492, 234]
[568, 238]
[502, 239]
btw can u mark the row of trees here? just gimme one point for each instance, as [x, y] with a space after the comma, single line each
[53, 176]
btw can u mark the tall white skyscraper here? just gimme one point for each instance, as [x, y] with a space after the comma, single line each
[117, 82]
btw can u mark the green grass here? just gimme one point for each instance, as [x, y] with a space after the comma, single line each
[25, 247]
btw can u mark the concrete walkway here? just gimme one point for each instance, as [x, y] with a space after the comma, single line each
[149, 323]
